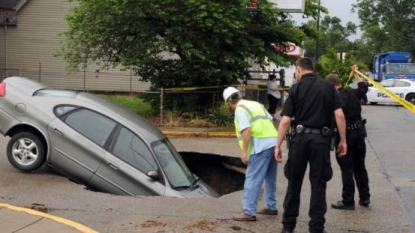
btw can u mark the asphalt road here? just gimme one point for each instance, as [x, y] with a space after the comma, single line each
[390, 137]
[391, 131]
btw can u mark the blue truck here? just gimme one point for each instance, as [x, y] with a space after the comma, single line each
[393, 65]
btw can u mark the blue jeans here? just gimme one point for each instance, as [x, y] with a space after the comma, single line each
[261, 167]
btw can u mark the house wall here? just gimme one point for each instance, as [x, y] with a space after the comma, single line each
[35, 40]
[2, 48]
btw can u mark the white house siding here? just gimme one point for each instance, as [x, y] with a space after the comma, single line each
[35, 40]
[2, 48]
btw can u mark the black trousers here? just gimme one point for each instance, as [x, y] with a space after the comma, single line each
[353, 168]
[314, 150]
[273, 102]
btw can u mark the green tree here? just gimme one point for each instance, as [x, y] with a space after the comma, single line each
[178, 43]
[331, 35]
[331, 63]
[387, 24]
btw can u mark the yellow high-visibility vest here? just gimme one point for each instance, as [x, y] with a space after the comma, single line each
[261, 125]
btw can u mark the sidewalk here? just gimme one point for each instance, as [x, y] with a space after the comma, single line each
[24, 220]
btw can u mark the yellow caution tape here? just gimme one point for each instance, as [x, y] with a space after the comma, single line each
[210, 87]
[350, 77]
[394, 96]
[258, 88]
[200, 134]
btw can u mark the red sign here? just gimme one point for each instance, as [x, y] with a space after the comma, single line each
[285, 48]
[290, 49]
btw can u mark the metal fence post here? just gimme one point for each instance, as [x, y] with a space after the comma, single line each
[131, 80]
[161, 105]
[282, 84]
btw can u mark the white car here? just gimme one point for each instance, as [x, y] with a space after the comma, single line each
[404, 88]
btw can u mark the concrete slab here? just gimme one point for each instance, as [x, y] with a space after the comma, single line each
[48, 225]
[13, 221]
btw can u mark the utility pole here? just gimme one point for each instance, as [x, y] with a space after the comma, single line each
[318, 29]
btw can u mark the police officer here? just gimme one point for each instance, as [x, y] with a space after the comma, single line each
[353, 164]
[313, 103]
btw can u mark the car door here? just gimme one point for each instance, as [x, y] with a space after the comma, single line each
[378, 95]
[125, 166]
[400, 88]
[77, 138]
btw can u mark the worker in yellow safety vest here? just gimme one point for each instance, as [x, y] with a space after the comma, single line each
[257, 138]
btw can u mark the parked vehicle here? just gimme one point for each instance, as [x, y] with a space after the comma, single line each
[393, 65]
[404, 88]
[92, 141]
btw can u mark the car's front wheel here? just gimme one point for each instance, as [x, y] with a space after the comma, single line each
[410, 98]
[373, 103]
[26, 152]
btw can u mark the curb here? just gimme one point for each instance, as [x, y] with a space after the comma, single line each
[64, 221]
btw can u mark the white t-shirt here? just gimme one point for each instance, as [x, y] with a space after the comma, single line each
[272, 85]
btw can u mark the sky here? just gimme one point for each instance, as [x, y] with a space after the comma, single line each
[340, 9]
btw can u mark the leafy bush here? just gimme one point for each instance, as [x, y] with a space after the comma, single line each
[133, 103]
[221, 116]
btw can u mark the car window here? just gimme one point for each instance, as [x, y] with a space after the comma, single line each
[132, 150]
[401, 84]
[91, 124]
[55, 93]
[387, 83]
[62, 110]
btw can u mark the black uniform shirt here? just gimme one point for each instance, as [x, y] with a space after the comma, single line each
[311, 102]
[351, 99]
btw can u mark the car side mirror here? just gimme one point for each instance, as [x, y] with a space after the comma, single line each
[153, 175]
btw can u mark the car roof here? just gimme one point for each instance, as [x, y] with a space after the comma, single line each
[113, 110]
[25, 85]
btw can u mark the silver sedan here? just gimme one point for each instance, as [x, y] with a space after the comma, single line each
[92, 141]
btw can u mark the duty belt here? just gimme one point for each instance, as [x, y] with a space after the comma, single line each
[355, 126]
[300, 129]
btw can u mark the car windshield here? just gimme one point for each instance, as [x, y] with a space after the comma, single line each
[177, 172]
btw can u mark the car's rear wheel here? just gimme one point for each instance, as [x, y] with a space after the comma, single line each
[410, 98]
[373, 103]
[26, 152]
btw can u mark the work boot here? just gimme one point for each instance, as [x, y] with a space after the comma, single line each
[244, 217]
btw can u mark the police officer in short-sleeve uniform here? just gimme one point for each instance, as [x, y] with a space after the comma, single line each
[309, 109]
[353, 164]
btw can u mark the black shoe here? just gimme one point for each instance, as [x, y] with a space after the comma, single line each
[287, 230]
[364, 203]
[341, 206]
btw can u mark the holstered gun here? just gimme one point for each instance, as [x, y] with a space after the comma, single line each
[364, 127]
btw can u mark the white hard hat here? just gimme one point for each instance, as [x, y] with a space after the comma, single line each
[228, 92]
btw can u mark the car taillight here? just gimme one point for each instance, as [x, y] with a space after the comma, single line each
[2, 89]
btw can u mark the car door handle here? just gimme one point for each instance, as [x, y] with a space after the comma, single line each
[58, 132]
[113, 166]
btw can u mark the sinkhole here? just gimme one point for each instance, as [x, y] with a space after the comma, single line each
[223, 173]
